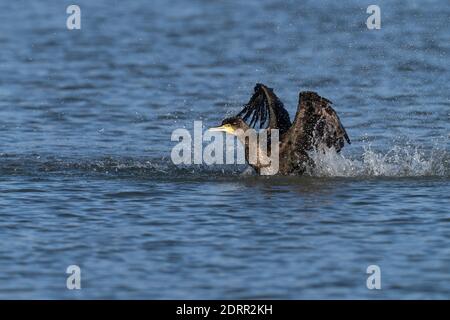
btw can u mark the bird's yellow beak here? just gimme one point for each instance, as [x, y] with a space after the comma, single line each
[225, 128]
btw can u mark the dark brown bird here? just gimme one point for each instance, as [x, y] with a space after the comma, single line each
[316, 126]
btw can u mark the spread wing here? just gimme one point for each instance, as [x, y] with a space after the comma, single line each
[265, 108]
[316, 124]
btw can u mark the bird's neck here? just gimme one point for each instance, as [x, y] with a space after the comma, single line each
[261, 150]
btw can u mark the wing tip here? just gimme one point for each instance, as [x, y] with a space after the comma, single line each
[312, 96]
[259, 86]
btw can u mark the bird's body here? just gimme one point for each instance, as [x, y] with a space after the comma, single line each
[316, 126]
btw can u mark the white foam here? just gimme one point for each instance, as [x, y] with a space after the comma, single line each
[399, 161]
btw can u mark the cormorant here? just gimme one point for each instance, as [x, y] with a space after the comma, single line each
[316, 125]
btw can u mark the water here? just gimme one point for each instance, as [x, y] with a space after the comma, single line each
[86, 177]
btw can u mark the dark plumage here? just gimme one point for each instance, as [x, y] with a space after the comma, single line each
[316, 125]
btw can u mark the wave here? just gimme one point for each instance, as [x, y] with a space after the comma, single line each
[399, 161]
[110, 166]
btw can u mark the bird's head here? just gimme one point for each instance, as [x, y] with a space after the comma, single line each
[230, 125]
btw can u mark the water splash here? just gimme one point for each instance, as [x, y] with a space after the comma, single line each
[399, 161]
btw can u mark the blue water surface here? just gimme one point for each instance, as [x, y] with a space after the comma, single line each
[86, 178]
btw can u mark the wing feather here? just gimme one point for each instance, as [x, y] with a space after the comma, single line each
[316, 124]
[265, 108]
